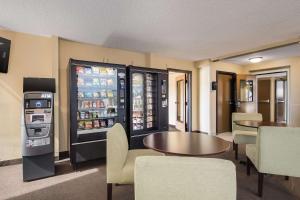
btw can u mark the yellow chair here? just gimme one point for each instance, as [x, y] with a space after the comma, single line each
[241, 134]
[276, 152]
[120, 160]
[184, 178]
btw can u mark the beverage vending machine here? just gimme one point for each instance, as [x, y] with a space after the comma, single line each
[37, 127]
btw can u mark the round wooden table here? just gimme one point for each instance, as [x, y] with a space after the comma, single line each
[187, 144]
[257, 124]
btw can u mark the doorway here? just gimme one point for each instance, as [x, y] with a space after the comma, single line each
[226, 95]
[272, 95]
[179, 100]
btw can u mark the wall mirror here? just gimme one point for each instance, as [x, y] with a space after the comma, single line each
[246, 90]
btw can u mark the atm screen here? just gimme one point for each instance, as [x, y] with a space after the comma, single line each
[37, 118]
[37, 103]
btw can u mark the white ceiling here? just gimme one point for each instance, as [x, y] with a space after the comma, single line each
[189, 29]
[271, 54]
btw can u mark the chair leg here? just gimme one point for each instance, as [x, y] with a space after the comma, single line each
[260, 184]
[248, 166]
[236, 150]
[109, 191]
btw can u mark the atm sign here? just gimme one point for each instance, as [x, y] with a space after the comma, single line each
[46, 96]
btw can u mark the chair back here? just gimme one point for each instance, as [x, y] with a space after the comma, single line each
[184, 178]
[278, 151]
[116, 152]
[245, 116]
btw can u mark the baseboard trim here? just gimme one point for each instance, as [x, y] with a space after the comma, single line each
[63, 155]
[10, 162]
[171, 125]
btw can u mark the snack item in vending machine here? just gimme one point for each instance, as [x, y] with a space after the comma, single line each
[80, 82]
[103, 123]
[79, 69]
[95, 70]
[88, 70]
[111, 110]
[96, 95]
[88, 124]
[85, 104]
[94, 104]
[102, 105]
[110, 93]
[80, 95]
[88, 94]
[96, 124]
[81, 125]
[82, 115]
[110, 82]
[103, 71]
[149, 125]
[87, 115]
[96, 82]
[103, 82]
[110, 71]
[110, 122]
[95, 114]
[89, 82]
[98, 104]
[103, 93]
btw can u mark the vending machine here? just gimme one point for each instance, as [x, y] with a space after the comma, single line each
[97, 102]
[148, 103]
[37, 127]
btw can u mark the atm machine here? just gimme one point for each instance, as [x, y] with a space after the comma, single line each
[37, 127]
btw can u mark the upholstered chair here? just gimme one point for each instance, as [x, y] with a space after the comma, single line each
[120, 160]
[276, 152]
[241, 134]
[184, 178]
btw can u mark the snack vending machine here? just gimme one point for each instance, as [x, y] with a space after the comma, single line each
[148, 103]
[37, 126]
[97, 102]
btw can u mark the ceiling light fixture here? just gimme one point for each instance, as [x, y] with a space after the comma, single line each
[255, 59]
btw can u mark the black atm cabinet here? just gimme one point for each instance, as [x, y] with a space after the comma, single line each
[97, 102]
[147, 103]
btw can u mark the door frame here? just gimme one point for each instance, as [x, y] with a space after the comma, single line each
[267, 73]
[234, 75]
[188, 96]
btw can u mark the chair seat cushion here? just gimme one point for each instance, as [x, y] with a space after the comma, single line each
[251, 153]
[244, 137]
[128, 169]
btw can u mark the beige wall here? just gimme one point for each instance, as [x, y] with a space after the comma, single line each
[208, 68]
[37, 56]
[75, 50]
[30, 56]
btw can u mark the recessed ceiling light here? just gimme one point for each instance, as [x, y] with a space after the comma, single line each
[255, 59]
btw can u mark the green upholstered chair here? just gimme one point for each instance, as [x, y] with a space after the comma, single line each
[184, 178]
[241, 134]
[276, 152]
[120, 160]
